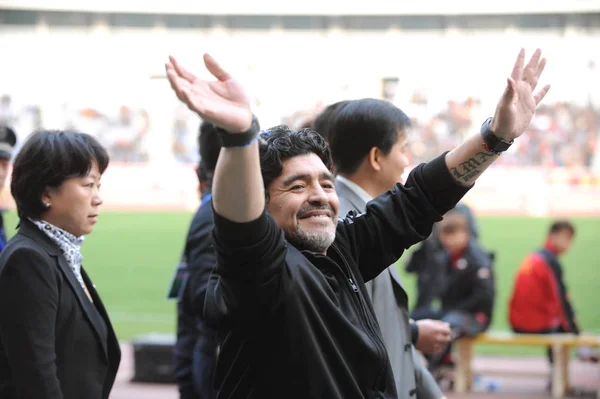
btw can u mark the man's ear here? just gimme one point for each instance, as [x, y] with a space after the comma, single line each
[374, 158]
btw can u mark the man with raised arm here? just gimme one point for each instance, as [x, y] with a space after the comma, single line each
[287, 296]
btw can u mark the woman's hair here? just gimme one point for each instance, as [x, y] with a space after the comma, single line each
[46, 160]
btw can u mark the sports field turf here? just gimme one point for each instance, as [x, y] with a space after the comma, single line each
[131, 257]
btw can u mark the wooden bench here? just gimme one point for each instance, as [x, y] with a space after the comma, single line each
[560, 344]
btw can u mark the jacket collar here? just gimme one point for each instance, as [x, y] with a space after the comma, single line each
[27, 228]
[346, 192]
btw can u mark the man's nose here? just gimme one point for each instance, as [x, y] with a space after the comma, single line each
[318, 195]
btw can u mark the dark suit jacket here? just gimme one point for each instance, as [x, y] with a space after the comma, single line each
[194, 338]
[200, 257]
[54, 342]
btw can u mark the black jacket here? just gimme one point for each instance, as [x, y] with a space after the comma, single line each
[194, 337]
[54, 342]
[429, 261]
[199, 254]
[470, 284]
[294, 324]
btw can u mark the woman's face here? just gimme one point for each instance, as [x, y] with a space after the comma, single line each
[75, 204]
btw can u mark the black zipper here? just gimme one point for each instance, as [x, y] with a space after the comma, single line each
[372, 329]
[354, 286]
[346, 273]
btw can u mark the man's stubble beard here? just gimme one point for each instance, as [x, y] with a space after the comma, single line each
[317, 242]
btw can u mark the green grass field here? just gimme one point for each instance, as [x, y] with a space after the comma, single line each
[131, 258]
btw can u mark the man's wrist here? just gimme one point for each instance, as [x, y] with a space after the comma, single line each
[241, 139]
[239, 127]
[497, 130]
[246, 126]
[492, 141]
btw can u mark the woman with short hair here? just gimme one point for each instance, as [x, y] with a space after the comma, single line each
[56, 340]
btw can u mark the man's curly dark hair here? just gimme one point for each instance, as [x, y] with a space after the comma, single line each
[280, 143]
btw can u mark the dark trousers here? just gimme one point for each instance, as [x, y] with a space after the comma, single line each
[194, 367]
[203, 374]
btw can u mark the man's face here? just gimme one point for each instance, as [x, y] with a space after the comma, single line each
[392, 165]
[561, 240]
[303, 202]
[4, 165]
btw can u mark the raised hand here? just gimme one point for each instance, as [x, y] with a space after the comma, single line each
[518, 103]
[222, 102]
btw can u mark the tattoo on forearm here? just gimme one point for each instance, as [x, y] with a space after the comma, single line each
[470, 175]
[467, 171]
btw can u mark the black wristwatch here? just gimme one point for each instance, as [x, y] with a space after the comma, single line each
[414, 332]
[492, 142]
[239, 139]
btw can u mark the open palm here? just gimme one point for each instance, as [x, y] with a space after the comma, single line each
[518, 103]
[222, 102]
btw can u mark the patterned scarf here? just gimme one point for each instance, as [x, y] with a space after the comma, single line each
[69, 245]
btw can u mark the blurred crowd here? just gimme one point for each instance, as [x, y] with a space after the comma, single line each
[561, 134]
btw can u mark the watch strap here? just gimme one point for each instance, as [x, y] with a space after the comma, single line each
[493, 143]
[239, 139]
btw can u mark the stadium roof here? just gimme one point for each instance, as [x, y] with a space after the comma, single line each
[310, 7]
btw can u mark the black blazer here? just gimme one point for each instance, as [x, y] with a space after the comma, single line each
[199, 254]
[54, 342]
[196, 342]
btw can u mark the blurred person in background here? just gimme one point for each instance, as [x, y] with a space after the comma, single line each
[196, 346]
[428, 262]
[7, 112]
[367, 138]
[185, 136]
[56, 340]
[8, 140]
[540, 301]
[466, 282]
